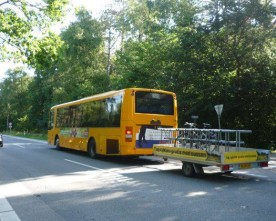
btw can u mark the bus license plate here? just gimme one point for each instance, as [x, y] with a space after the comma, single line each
[245, 165]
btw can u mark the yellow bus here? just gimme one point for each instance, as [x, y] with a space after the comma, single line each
[117, 123]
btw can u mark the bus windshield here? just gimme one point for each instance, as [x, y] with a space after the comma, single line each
[154, 103]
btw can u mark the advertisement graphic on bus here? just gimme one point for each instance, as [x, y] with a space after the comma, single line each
[147, 136]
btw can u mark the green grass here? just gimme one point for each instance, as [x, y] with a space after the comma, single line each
[38, 136]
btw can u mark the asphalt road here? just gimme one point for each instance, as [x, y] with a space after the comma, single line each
[39, 182]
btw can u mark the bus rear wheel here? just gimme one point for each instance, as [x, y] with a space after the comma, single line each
[91, 150]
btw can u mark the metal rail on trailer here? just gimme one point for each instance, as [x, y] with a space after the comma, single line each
[198, 148]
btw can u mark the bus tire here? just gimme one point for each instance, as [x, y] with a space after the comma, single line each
[188, 169]
[91, 150]
[57, 143]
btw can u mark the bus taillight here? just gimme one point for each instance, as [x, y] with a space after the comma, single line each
[263, 164]
[225, 167]
[129, 134]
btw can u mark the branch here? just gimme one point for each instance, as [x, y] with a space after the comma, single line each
[11, 44]
[3, 39]
[3, 3]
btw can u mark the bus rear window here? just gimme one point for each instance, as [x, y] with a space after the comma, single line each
[153, 103]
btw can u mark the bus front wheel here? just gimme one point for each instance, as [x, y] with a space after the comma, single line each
[57, 143]
[91, 150]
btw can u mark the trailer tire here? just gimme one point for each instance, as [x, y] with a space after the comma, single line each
[188, 169]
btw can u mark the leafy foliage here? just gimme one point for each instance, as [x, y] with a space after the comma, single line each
[20, 21]
[81, 69]
[14, 99]
[208, 53]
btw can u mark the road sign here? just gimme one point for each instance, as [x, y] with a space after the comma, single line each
[218, 109]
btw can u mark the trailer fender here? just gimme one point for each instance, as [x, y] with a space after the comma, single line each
[198, 168]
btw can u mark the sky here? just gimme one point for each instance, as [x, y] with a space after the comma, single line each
[96, 6]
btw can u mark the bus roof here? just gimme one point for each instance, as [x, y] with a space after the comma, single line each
[104, 95]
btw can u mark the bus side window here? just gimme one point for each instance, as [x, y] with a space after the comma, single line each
[51, 120]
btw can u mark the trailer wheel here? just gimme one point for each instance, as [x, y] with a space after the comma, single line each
[188, 169]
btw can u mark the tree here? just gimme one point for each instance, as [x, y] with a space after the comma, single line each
[21, 21]
[40, 100]
[221, 53]
[81, 69]
[208, 53]
[14, 98]
[157, 58]
[241, 36]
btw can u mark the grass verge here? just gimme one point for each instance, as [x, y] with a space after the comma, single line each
[38, 136]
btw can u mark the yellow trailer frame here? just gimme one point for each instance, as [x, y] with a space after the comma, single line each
[197, 148]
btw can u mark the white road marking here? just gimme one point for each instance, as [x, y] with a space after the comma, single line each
[85, 165]
[11, 144]
[135, 169]
[24, 146]
[27, 139]
[19, 146]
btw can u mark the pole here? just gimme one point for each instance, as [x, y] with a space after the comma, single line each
[218, 109]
